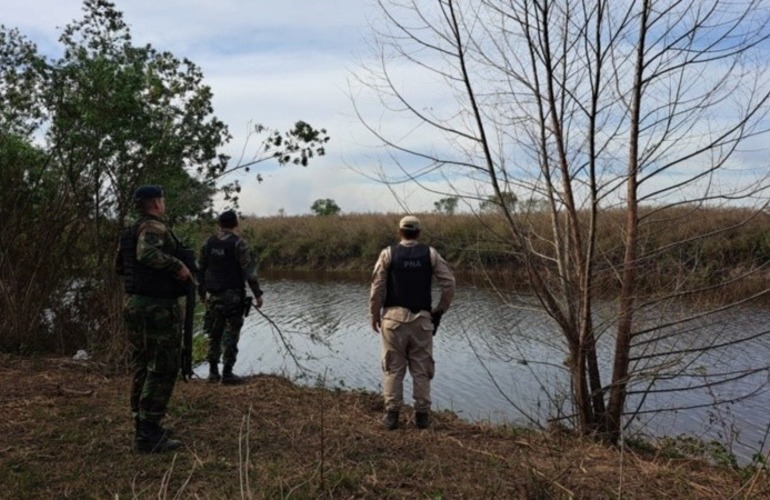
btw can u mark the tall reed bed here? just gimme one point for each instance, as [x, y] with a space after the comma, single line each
[353, 242]
[698, 244]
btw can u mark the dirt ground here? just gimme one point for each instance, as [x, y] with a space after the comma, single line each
[67, 433]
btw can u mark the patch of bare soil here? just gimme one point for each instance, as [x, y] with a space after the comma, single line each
[66, 432]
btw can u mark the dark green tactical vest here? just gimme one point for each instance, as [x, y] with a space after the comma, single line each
[223, 271]
[142, 280]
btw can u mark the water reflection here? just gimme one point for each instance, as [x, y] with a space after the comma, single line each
[493, 360]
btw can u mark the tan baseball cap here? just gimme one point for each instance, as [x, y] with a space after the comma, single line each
[410, 222]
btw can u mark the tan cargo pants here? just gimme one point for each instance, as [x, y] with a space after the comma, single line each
[407, 345]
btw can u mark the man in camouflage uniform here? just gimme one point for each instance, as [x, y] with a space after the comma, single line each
[225, 263]
[401, 312]
[154, 279]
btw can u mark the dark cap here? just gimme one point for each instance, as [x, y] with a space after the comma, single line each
[148, 192]
[228, 219]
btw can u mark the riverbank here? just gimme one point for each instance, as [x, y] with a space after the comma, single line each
[67, 433]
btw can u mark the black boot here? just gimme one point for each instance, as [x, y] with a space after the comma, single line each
[152, 438]
[168, 431]
[213, 372]
[422, 419]
[228, 377]
[390, 420]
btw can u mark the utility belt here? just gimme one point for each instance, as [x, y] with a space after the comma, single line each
[413, 310]
[403, 314]
[230, 302]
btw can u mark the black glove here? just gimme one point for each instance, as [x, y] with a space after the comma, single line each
[435, 318]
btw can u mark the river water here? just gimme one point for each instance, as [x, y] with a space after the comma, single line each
[499, 363]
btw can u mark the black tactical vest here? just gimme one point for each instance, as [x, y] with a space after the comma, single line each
[223, 271]
[139, 279]
[409, 278]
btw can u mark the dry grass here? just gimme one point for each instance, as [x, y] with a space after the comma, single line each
[66, 433]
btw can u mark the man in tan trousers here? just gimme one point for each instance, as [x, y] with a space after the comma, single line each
[400, 307]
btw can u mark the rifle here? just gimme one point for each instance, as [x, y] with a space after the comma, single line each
[189, 316]
[187, 256]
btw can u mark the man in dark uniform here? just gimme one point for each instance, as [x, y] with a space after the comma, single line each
[154, 279]
[401, 311]
[225, 263]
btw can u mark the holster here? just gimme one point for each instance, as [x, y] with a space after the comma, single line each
[435, 318]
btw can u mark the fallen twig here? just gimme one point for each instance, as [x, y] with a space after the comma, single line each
[285, 342]
[73, 392]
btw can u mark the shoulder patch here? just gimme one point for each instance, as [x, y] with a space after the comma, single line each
[151, 238]
[152, 232]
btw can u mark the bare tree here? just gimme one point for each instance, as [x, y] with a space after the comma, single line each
[625, 117]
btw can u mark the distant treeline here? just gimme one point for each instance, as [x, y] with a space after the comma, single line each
[702, 244]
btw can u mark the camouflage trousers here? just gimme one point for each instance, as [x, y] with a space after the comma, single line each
[155, 336]
[222, 324]
[407, 345]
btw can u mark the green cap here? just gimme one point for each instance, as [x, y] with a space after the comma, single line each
[228, 219]
[148, 192]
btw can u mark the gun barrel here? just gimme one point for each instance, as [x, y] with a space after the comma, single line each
[189, 318]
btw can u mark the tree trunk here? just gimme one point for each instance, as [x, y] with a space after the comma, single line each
[628, 286]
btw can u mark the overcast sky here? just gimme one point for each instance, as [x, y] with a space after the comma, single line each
[276, 62]
[270, 62]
